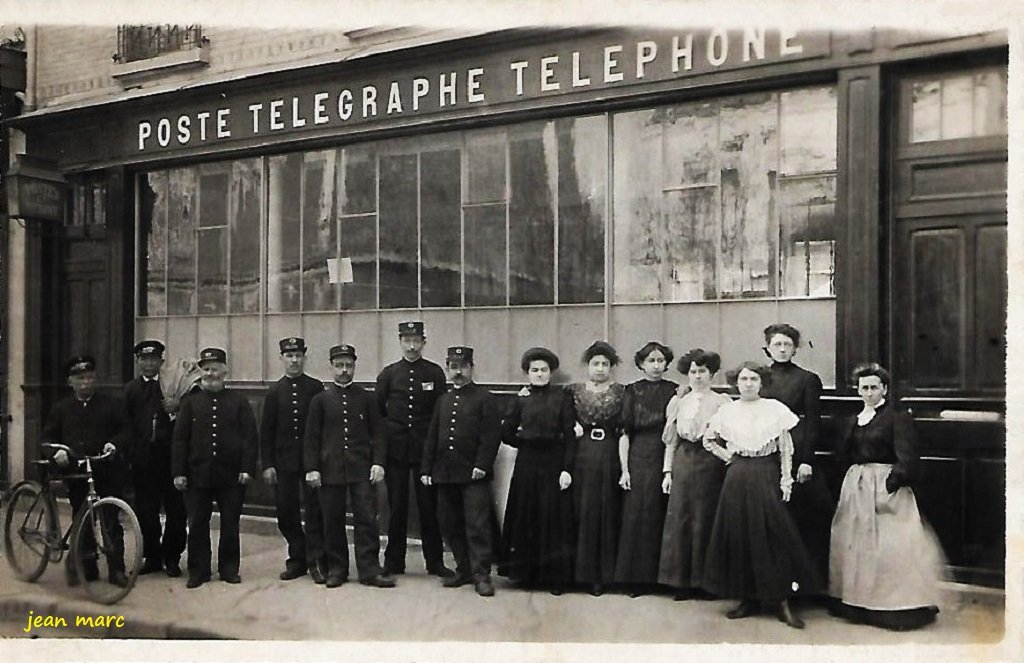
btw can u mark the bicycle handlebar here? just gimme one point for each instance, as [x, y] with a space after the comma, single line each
[74, 454]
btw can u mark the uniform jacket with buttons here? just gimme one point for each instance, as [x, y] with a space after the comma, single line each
[283, 429]
[215, 439]
[344, 436]
[406, 393]
[149, 427]
[86, 426]
[464, 433]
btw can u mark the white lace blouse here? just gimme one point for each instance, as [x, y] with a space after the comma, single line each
[753, 429]
[687, 417]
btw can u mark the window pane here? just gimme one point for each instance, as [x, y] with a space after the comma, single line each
[357, 190]
[153, 233]
[398, 232]
[440, 206]
[486, 169]
[690, 144]
[582, 193]
[926, 111]
[283, 233]
[749, 137]
[957, 107]
[990, 103]
[808, 236]
[181, 242]
[533, 161]
[213, 276]
[359, 246]
[319, 231]
[244, 217]
[689, 218]
[485, 255]
[809, 130]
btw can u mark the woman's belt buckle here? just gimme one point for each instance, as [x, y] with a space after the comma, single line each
[597, 434]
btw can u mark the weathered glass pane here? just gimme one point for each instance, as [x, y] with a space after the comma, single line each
[485, 241]
[582, 196]
[213, 270]
[181, 242]
[689, 240]
[485, 152]
[690, 144]
[284, 233]
[319, 231]
[398, 231]
[957, 107]
[153, 231]
[808, 237]
[809, 130]
[926, 111]
[244, 217]
[441, 239]
[990, 103]
[357, 189]
[749, 144]
[358, 235]
[533, 162]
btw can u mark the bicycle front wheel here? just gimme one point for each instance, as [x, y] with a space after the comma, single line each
[30, 527]
[106, 545]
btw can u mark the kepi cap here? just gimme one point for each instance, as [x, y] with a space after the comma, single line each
[292, 344]
[343, 350]
[414, 328]
[80, 364]
[460, 353]
[149, 348]
[212, 354]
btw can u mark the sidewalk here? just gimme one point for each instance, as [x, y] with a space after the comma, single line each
[419, 609]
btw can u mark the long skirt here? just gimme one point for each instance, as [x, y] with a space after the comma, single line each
[755, 550]
[643, 512]
[537, 537]
[598, 502]
[885, 558]
[696, 483]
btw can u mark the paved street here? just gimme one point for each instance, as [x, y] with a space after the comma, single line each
[419, 609]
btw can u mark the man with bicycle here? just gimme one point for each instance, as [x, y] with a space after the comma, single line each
[90, 423]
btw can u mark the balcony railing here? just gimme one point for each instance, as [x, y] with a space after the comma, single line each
[141, 42]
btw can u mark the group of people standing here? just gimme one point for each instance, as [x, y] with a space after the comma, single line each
[633, 486]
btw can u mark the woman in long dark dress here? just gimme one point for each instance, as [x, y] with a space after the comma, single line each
[597, 496]
[886, 561]
[538, 531]
[641, 453]
[755, 553]
[799, 389]
[692, 476]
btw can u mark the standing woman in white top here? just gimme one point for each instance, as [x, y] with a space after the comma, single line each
[756, 553]
[692, 476]
[885, 560]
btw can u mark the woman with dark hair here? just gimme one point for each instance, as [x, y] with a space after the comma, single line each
[596, 492]
[755, 553]
[641, 452]
[537, 536]
[886, 561]
[798, 389]
[692, 476]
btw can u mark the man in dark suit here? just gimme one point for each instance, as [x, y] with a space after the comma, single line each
[148, 418]
[213, 457]
[344, 455]
[285, 410]
[406, 393]
[458, 458]
[90, 423]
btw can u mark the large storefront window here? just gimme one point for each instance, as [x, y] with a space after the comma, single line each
[726, 199]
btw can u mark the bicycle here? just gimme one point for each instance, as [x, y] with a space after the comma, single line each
[104, 540]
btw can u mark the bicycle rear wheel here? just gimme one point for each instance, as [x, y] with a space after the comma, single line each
[30, 526]
[106, 545]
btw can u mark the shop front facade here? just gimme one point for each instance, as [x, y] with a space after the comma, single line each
[554, 187]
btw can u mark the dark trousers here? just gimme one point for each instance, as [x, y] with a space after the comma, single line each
[154, 490]
[398, 475]
[78, 489]
[200, 507]
[464, 512]
[364, 515]
[305, 548]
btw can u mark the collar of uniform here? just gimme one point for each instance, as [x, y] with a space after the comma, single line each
[83, 401]
[152, 379]
[455, 386]
[343, 386]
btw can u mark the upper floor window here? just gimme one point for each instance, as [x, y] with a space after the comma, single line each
[141, 42]
[968, 104]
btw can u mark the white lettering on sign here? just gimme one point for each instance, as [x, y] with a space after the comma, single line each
[573, 68]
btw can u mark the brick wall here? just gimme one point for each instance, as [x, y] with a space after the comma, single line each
[74, 63]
